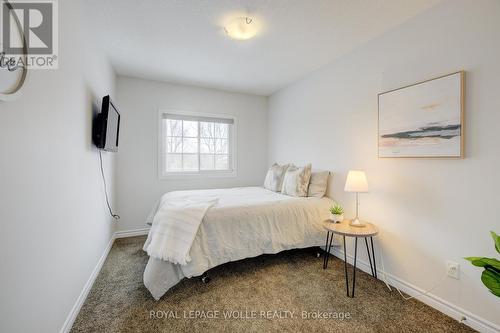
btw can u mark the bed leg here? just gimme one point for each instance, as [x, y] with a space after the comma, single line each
[318, 252]
[205, 278]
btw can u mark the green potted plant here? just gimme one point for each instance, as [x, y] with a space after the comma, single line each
[491, 273]
[336, 213]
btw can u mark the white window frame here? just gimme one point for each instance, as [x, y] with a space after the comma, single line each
[232, 142]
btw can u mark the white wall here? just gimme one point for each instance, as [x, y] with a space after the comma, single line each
[138, 184]
[429, 211]
[54, 224]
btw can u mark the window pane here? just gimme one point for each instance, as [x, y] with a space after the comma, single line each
[207, 145]
[193, 146]
[221, 130]
[174, 145]
[190, 162]
[221, 146]
[207, 130]
[190, 128]
[207, 162]
[221, 162]
[190, 145]
[174, 127]
[174, 162]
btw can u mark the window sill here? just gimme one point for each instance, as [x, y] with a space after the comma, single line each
[197, 175]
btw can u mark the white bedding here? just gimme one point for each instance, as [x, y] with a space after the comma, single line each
[245, 222]
[175, 226]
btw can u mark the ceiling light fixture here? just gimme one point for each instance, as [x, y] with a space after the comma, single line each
[241, 28]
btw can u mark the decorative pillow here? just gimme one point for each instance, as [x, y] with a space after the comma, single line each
[296, 181]
[274, 177]
[318, 183]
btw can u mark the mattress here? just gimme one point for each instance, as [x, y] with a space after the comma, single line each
[245, 222]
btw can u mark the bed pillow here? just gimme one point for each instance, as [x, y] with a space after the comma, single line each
[296, 181]
[274, 177]
[318, 183]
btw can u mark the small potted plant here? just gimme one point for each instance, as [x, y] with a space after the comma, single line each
[336, 213]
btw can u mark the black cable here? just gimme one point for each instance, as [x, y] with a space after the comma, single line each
[115, 216]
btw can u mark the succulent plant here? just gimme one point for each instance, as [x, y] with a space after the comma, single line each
[337, 209]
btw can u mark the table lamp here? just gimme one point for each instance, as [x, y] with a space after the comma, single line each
[356, 182]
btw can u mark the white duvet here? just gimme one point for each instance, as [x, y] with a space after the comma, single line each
[245, 222]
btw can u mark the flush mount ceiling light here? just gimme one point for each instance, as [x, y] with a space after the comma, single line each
[241, 28]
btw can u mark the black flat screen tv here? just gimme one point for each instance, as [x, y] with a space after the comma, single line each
[106, 127]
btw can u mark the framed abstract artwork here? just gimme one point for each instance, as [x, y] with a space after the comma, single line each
[425, 119]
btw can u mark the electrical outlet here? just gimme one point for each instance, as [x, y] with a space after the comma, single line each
[453, 269]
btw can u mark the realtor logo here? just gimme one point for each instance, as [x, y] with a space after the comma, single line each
[29, 33]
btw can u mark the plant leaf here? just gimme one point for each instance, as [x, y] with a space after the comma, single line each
[471, 259]
[485, 262]
[496, 239]
[491, 280]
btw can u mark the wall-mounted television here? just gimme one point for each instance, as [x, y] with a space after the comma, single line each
[106, 127]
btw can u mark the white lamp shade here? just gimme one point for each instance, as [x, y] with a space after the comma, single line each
[356, 182]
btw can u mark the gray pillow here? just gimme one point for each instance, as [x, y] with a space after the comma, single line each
[318, 183]
[296, 181]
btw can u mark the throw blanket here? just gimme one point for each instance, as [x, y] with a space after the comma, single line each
[174, 228]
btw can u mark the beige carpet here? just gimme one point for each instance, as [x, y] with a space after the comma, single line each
[274, 290]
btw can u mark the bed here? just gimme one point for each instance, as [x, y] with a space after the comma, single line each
[244, 222]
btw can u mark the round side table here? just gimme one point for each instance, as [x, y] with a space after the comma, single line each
[345, 230]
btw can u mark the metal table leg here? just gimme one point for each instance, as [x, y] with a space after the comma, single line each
[327, 250]
[374, 263]
[330, 246]
[371, 258]
[354, 268]
[345, 267]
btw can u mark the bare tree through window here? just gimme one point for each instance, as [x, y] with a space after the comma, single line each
[193, 145]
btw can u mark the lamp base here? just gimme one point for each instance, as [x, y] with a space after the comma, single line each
[356, 223]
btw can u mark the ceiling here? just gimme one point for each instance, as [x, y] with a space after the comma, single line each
[183, 41]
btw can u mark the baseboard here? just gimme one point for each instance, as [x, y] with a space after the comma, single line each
[131, 233]
[86, 289]
[90, 282]
[455, 312]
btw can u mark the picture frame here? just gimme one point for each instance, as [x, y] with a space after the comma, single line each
[423, 120]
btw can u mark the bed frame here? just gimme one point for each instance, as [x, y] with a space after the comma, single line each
[318, 251]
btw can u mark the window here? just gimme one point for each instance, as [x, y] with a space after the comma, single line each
[192, 144]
